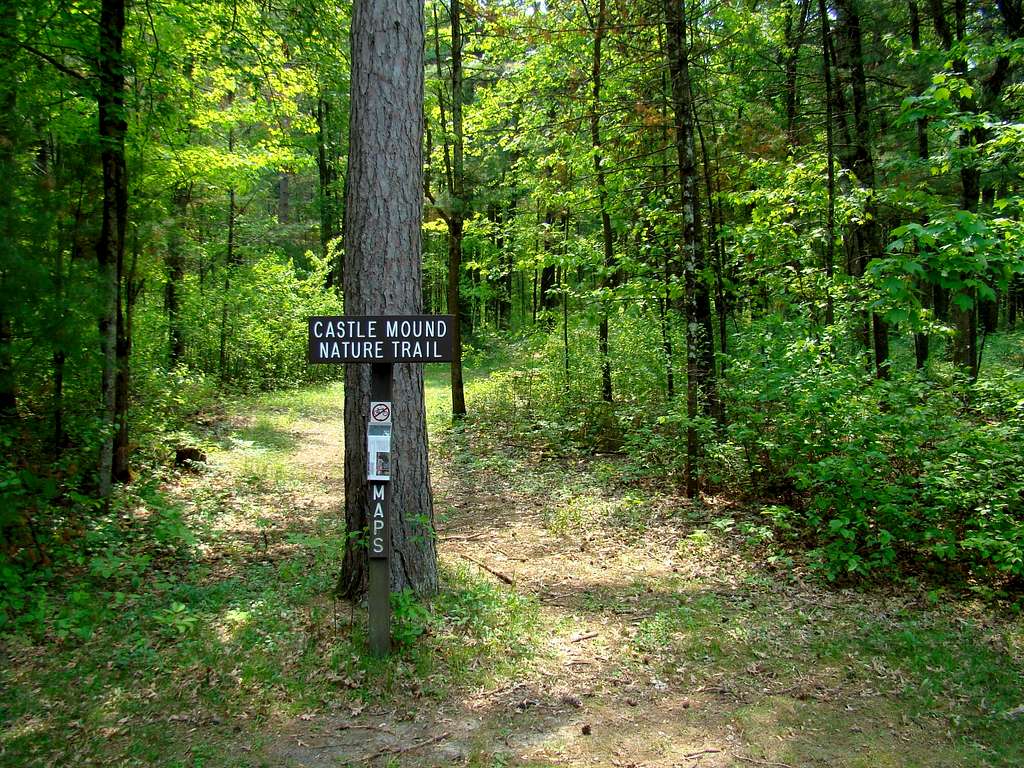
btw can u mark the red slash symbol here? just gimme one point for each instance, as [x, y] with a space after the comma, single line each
[381, 412]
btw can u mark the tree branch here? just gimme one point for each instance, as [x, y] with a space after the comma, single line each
[55, 63]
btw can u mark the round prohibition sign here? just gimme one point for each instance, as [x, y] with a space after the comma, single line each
[381, 412]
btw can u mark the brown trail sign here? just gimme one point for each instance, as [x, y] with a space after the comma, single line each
[381, 341]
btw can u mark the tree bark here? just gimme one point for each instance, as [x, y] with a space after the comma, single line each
[110, 247]
[326, 177]
[457, 216]
[922, 343]
[607, 236]
[830, 211]
[697, 302]
[8, 143]
[868, 240]
[176, 276]
[454, 215]
[794, 41]
[382, 275]
[230, 262]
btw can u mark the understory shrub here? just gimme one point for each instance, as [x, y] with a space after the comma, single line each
[873, 477]
[877, 475]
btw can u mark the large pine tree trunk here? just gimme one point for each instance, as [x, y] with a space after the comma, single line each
[382, 276]
[110, 248]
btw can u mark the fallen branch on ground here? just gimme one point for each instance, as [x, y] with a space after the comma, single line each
[490, 570]
[695, 755]
[471, 537]
[402, 750]
[755, 761]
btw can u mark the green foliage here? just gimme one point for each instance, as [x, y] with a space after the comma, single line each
[410, 617]
[881, 474]
[109, 554]
[874, 478]
[470, 615]
[268, 302]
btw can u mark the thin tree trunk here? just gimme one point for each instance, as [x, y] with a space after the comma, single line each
[607, 236]
[668, 266]
[565, 332]
[713, 401]
[230, 262]
[325, 176]
[8, 144]
[1014, 296]
[59, 335]
[868, 241]
[503, 300]
[830, 213]
[721, 295]
[548, 284]
[922, 343]
[794, 41]
[965, 355]
[454, 217]
[534, 305]
[110, 247]
[59, 354]
[383, 211]
[691, 245]
[284, 185]
[965, 344]
[125, 316]
[456, 225]
[229, 265]
[176, 276]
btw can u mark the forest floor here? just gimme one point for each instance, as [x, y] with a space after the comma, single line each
[581, 622]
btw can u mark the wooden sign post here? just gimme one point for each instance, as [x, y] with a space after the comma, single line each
[381, 341]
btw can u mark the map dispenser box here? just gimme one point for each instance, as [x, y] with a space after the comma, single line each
[378, 452]
[378, 442]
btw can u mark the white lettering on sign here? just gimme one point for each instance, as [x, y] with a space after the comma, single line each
[416, 349]
[378, 521]
[341, 328]
[414, 338]
[337, 350]
[416, 329]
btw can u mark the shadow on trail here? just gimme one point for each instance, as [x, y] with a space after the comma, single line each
[658, 651]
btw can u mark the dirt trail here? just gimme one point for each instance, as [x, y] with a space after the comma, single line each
[630, 673]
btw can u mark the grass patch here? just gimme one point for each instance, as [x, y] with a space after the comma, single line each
[182, 648]
[920, 670]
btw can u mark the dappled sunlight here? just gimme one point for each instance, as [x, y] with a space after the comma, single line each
[578, 624]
